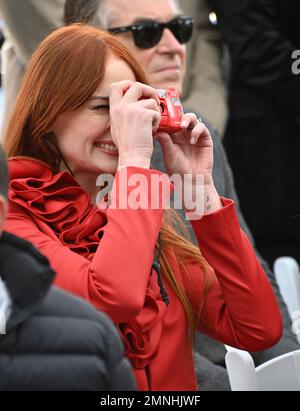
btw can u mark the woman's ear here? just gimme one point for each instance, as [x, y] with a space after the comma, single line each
[3, 211]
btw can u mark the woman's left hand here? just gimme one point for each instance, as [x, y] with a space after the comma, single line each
[189, 151]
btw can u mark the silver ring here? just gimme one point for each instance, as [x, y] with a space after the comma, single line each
[199, 119]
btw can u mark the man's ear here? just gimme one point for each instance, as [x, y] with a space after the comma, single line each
[3, 211]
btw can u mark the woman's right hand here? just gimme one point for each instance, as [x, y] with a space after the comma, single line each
[135, 117]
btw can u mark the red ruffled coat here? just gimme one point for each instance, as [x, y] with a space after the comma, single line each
[55, 214]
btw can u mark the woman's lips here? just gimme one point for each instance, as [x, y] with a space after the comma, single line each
[169, 68]
[108, 148]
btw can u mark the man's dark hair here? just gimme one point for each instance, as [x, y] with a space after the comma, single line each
[81, 11]
[3, 173]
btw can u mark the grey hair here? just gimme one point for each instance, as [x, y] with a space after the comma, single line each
[94, 12]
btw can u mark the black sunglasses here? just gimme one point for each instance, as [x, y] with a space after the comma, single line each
[149, 33]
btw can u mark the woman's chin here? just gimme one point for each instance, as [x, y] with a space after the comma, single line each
[106, 166]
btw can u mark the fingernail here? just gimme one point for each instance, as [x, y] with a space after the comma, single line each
[184, 123]
[193, 140]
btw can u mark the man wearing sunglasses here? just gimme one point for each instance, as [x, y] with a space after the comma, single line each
[157, 33]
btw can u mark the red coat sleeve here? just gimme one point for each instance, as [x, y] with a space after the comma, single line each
[241, 309]
[116, 279]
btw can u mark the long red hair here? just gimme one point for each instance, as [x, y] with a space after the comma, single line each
[63, 74]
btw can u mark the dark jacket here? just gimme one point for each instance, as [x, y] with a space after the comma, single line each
[261, 35]
[54, 341]
[262, 137]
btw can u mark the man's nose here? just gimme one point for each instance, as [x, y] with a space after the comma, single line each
[169, 43]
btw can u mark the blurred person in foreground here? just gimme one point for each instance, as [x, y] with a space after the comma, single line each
[50, 340]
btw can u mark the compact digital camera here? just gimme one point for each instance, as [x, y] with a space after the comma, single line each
[171, 110]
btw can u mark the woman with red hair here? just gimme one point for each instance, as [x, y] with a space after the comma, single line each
[84, 110]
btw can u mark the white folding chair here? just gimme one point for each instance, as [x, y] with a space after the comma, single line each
[279, 374]
[287, 274]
